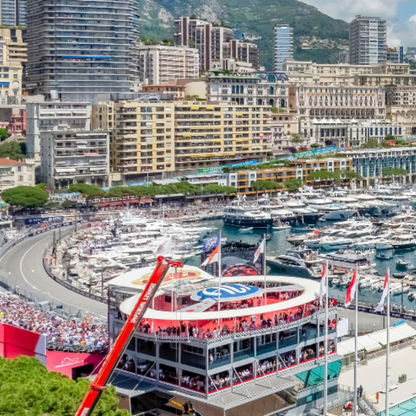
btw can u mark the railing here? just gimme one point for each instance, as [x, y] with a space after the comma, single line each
[235, 335]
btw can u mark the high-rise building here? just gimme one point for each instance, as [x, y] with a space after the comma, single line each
[82, 48]
[160, 64]
[214, 43]
[13, 12]
[283, 45]
[368, 41]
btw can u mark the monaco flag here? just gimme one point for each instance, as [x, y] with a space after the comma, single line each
[260, 250]
[351, 290]
[213, 257]
[322, 287]
[380, 306]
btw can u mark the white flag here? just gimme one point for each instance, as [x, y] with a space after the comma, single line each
[380, 306]
[260, 250]
[322, 287]
[165, 248]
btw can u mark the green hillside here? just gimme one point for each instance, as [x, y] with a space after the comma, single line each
[256, 18]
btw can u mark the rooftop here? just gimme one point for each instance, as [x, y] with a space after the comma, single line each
[9, 162]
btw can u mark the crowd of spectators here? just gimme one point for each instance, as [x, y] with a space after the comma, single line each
[63, 334]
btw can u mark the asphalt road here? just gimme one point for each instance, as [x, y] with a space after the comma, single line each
[22, 266]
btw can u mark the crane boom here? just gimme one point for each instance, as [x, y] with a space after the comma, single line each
[98, 385]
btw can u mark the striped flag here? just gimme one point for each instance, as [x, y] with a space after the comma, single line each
[351, 290]
[380, 306]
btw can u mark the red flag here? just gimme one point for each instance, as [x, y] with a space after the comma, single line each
[322, 287]
[351, 290]
[380, 306]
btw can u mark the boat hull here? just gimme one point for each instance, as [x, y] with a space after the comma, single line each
[283, 269]
[237, 222]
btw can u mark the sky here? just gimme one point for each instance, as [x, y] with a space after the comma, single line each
[400, 15]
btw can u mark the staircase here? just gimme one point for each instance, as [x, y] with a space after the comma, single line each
[366, 407]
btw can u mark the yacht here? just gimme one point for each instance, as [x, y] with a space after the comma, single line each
[297, 263]
[334, 243]
[403, 241]
[306, 215]
[239, 216]
[348, 259]
[279, 214]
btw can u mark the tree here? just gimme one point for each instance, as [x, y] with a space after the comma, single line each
[214, 189]
[25, 196]
[340, 176]
[371, 144]
[87, 190]
[12, 150]
[392, 172]
[3, 134]
[27, 388]
[296, 139]
[293, 185]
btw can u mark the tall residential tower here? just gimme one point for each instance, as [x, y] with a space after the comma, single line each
[283, 45]
[368, 41]
[81, 48]
[13, 12]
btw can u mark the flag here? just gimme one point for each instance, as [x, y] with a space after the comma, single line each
[260, 250]
[213, 257]
[165, 248]
[351, 290]
[380, 306]
[211, 243]
[322, 287]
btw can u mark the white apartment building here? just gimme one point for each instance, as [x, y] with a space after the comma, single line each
[350, 133]
[272, 89]
[335, 101]
[368, 41]
[14, 173]
[160, 64]
[401, 101]
[73, 156]
[53, 116]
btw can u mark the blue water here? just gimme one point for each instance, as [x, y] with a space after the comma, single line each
[279, 245]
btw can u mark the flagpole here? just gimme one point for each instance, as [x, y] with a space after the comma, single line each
[219, 276]
[356, 347]
[386, 411]
[326, 341]
[264, 269]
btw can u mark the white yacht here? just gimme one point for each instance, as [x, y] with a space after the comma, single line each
[278, 213]
[403, 241]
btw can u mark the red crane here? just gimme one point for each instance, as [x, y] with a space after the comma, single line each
[98, 385]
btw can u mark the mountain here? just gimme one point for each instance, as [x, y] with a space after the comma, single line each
[318, 37]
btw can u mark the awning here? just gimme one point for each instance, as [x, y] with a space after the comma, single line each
[65, 170]
[397, 333]
[369, 344]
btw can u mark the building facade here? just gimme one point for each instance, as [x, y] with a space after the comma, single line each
[369, 163]
[271, 89]
[217, 46]
[298, 169]
[283, 45]
[165, 64]
[368, 41]
[13, 12]
[155, 140]
[401, 101]
[73, 156]
[53, 116]
[352, 133]
[14, 173]
[72, 51]
[344, 102]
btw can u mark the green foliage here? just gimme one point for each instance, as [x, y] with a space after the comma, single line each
[268, 185]
[214, 189]
[3, 134]
[25, 196]
[391, 172]
[372, 144]
[296, 138]
[87, 190]
[27, 388]
[12, 150]
[41, 186]
[255, 18]
[293, 185]
[276, 110]
[338, 176]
